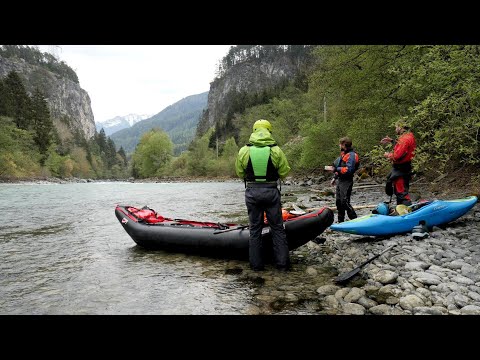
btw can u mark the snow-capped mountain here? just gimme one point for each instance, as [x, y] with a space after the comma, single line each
[119, 122]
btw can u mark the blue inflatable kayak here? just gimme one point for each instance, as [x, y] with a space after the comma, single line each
[434, 213]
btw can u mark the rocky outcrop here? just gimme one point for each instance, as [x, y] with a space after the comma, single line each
[251, 76]
[66, 99]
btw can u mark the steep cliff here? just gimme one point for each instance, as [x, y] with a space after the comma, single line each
[250, 75]
[66, 99]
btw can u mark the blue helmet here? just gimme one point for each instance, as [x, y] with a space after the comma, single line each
[382, 209]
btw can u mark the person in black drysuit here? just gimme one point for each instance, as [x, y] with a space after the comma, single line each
[344, 168]
[261, 163]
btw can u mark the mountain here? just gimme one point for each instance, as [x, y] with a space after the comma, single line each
[117, 123]
[178, 120]
[67, 101]
[250, 75]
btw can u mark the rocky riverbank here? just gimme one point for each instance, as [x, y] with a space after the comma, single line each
[438, 275]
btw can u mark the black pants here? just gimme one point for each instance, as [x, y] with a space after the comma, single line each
[258, 201]
[343, 194]
[399, 180]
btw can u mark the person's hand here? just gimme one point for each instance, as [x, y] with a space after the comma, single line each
[386, 139]
[332, 182]
[387, 155]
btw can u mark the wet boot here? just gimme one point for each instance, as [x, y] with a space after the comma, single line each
[352, 215]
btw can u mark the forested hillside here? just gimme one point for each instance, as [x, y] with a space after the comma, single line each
[360, 91]
[312, 95]
[46, 122]
[178, 120]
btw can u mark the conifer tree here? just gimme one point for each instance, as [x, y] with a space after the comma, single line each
[3, 99]
[121, 152]
[102, 141]
[42, 122]
[17, 101]
[110, 153]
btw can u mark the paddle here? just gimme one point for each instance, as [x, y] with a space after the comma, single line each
[297, 211]
[347, 276]
[231, 229]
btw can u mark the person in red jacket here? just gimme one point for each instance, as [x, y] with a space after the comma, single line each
[398, 181]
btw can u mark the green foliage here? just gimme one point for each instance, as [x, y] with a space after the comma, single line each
[293, 152]
[242, 53]
[123, 156]
[178, 121]
[225, 165]
[359, 90]
[18, 157]
[81, 166]
[287, 113]
[365, 89]
[201, 157]
[381, 166]
[42, 122]
[55, 163]
[60, 148]
[320, 146]
[153, 153]
[16, 101]
[178, 166]
[34, 56]
[445, 116]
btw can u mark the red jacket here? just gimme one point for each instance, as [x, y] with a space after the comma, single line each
[404, 149]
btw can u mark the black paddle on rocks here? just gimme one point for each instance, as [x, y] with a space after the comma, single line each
[347, 276]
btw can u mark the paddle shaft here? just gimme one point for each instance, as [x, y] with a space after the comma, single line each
[232, 229]
[351, 273]
[357, 207]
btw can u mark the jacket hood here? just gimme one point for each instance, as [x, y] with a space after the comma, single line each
[261, 137]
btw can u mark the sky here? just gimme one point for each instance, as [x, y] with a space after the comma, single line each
[139, 79]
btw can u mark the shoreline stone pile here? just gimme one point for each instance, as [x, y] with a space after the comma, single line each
[438, 275]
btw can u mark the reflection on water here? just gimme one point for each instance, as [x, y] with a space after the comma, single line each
[62, 251]
[17, 232]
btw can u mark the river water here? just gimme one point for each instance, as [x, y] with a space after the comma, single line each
[63, 251]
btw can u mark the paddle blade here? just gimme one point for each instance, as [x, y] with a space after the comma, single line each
[298, 213]
[346, 276]
[298, 210]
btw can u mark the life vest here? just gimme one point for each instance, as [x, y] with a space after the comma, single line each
[342, 161]
[260, 167]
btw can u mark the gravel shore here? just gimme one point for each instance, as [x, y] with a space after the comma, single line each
[439, 275]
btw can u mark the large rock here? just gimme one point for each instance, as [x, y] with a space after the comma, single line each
[65, 98]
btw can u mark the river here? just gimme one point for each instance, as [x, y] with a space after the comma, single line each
[62, 251]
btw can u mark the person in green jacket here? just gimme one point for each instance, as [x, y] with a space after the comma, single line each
[261, 163]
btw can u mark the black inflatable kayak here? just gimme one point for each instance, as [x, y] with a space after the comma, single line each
[152, 231]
